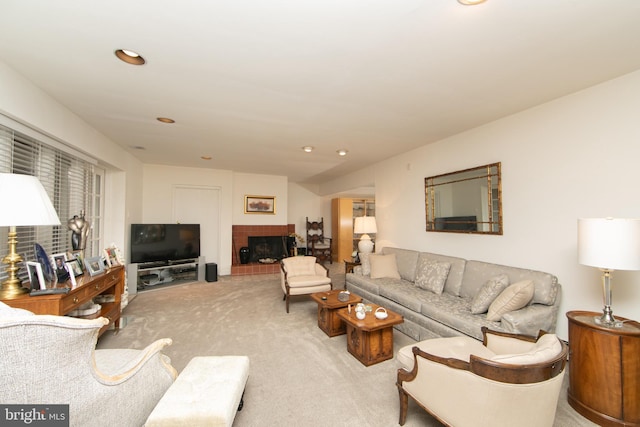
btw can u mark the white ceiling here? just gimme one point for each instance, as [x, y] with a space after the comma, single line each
[249, 82]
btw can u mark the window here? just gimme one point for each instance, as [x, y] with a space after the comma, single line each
[73, 184]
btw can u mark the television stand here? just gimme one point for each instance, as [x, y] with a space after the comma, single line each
[154, 275]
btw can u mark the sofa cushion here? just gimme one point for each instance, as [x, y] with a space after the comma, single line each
[488, 293]
[300, 266]
[546, 348]
[476, 273]
[406, 260]
[403, 293]
[455, 313]
[432, 275]
[513, 298]
[454, 278]
[452, 347]
[383, 266]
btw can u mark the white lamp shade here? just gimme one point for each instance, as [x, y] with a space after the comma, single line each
[25, 202]
[365, 224]
[609, 243]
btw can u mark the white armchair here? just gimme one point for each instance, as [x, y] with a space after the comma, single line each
[302, 275]
[507, 380]
[52, 360]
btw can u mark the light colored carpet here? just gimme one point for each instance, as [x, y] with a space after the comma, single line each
[298, 375]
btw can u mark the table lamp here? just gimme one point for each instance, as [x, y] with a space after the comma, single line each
[24, 203]
[609, 244]
[364, 225]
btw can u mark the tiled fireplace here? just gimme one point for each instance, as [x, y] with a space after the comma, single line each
[240, 235]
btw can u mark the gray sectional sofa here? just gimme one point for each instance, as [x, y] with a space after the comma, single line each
[428, 314]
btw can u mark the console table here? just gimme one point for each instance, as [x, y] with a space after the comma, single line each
[604, 370]
[110, 282]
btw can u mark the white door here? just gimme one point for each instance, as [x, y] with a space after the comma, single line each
[200, 205]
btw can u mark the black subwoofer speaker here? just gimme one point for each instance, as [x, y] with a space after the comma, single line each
[211, 272]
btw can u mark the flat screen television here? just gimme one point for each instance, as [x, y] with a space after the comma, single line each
[164, 242]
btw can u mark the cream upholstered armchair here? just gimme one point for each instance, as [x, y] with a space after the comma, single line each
[302, 275]
[507, 380]
[52, 360]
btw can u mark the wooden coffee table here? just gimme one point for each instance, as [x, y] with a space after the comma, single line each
[328, 321]
[370, 340]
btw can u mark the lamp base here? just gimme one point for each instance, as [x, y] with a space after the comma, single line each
[365, 245]
[12, 287]
[607, 320]
[10, 290]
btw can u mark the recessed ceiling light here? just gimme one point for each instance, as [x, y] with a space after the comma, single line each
[471, 2]
[130, 57]
[307, 148]
[206, 157]
[342, 152]
[165, 120]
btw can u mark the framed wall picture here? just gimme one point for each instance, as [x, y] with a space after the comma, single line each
[94, 265]
[260, 205]
[36, 278]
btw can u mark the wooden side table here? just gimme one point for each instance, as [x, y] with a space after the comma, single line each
[328, 319]
[349, 265]
[370, 340]
[604, 370]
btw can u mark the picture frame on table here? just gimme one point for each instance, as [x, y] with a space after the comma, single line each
[36, 278]
[94, 265]
[111, 256]
[75, 267]
[260, 205]
[59, 264]
[77, 255]
[72, 276]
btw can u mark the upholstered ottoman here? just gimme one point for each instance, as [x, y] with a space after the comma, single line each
[208, 392]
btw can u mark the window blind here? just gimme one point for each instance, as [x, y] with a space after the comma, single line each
[73, 184]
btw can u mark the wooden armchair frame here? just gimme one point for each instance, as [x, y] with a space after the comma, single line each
[489, 369]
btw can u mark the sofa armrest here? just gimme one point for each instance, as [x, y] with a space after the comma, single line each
[530, 320]
[112, 367]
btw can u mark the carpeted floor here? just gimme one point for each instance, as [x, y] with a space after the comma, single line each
[298, 375]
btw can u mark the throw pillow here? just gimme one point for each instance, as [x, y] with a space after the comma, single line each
[513, 298]
[488, 293]
[384, 266]
[364, 263]
[546, 348]
[432, 275]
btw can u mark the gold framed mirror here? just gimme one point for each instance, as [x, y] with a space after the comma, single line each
[466, 201]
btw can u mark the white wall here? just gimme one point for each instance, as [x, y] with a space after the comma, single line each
[158, 186]
[570, 158]
[246, 184]
[304, 203]
[25, 103]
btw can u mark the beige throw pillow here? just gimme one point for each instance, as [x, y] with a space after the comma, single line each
[488, 293]
[432, 275]
[384, 266]
[513, 298]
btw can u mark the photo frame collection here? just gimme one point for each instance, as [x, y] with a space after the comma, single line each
[61, 268]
